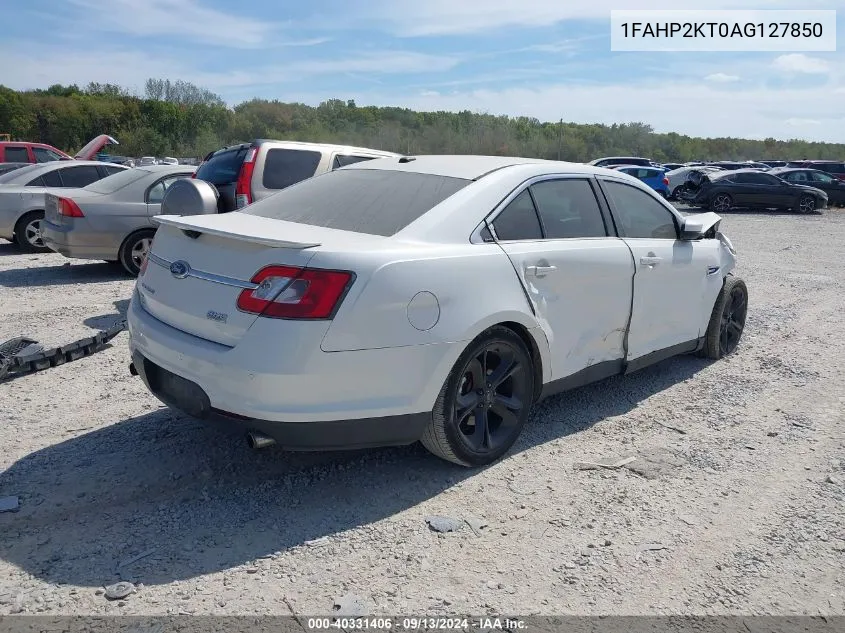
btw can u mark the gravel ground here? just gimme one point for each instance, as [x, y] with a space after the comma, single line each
[734, 503]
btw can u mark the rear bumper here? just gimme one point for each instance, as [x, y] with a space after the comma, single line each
[396, 430]
[278, 381]
[73, 240]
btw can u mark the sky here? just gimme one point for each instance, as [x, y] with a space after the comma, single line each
[548, 59]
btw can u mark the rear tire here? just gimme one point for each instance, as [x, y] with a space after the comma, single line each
[134, 250]
[485, 401]
[727, 321]
[28, 233]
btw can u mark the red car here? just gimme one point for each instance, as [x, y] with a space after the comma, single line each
[24, 152]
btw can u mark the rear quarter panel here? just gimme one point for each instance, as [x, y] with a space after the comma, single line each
[474, 284]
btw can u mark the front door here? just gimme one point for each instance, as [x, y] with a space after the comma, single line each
[675, 283]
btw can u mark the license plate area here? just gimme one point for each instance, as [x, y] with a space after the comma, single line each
[176, 391]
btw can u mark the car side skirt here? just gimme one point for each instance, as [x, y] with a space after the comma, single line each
[606, 369]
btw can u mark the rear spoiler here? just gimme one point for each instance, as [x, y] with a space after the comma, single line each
[186, 224]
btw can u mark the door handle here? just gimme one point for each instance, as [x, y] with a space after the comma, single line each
[540, 271]
[650, 261]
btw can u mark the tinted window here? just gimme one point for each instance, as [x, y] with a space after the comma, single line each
[223, 167]
[374, 201]
[518, 220]
[818, 176]
[43, 155]
[639, 214]
[836, 168]
[80, 176]
[38, 182]
[343, 161]
[568, 208]
[52, 179]
[796, 176]
[111, 171]
[286, 167]
[16, 155]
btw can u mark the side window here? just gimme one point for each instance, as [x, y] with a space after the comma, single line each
[568, 208]
[156, 193]
[16, 155]
[111, 171]
[38, 182]
[286, 167]
[44, 155]
[518, 220]
[81, 176]
[818, 176]
[640, 215]
[52, 179]
[343, 160]
[796, 176]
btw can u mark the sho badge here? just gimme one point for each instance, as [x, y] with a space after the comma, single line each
[220, 317]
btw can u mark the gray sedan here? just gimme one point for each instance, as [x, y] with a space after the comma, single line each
[111, 219]
[22, 194]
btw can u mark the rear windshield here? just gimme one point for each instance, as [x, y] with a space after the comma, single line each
[372, 201]
[223, 167]
[110, 184]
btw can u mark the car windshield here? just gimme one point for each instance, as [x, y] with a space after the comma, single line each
[110, 184]
[372, 201]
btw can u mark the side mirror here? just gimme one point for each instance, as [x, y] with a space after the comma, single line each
[695, 226]
[188, 196]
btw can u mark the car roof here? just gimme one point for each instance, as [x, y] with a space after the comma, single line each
[159, 169]
[306, 145]
[471, 167]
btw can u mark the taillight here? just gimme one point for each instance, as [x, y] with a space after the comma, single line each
[665, 181]
[69, 208]
[286, 292]
[243, 188]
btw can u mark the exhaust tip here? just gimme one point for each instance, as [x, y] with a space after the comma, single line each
[132, 370]
[258, 441]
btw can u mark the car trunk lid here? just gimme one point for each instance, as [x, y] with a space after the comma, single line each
[199, 265]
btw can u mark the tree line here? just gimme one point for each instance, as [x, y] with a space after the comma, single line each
[181, 119]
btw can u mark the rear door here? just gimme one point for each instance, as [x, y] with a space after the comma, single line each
[221, 170]
[675, 283]
[832, 186]
[575, 274]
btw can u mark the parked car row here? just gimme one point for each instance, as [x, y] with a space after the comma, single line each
[816, 184]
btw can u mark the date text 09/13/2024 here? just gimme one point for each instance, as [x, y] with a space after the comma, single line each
[420, 624]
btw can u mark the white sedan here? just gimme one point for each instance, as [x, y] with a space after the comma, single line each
[431, 298]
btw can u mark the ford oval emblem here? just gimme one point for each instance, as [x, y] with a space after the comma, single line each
[180, 269]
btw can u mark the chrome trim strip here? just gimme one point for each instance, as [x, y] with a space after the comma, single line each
[199, 274]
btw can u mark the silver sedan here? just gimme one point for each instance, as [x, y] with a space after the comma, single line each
[22, 194]
[111, 219]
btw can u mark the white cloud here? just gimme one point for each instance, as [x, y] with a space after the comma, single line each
[722, 78]
[50, 66]
[794, 122]
[799, 63]
[184, 19]
[412, 18]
